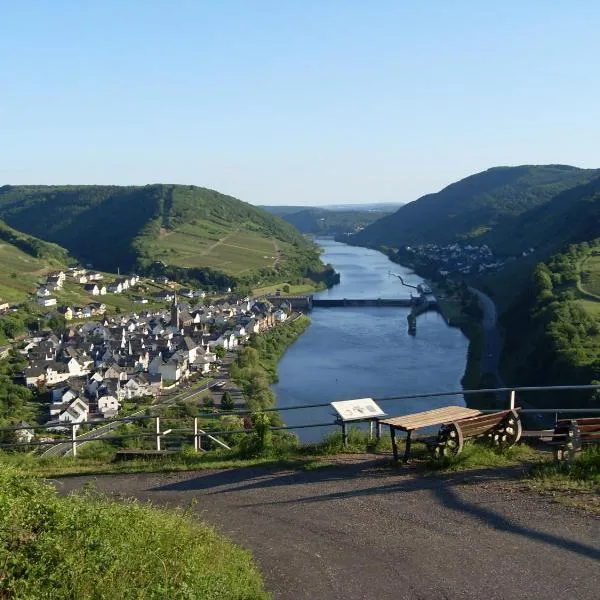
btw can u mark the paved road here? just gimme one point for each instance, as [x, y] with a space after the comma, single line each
[104, 430]
[361, 532]
[492, 343]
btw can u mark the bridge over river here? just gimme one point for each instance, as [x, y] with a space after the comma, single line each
[308, 301]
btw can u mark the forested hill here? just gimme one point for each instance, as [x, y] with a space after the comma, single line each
[206, 235]
[23, 259]
[32, 246]
[325, 221]
[483, 207]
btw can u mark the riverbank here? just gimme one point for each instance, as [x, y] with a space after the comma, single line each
[459, 308]
[255, 368]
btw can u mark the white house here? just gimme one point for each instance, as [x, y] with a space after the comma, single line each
[43, 292]
[280, 316]
[76, 412]
[92, 288]
[109, 406]
[47, 301]
[25, 434]
[115, 287]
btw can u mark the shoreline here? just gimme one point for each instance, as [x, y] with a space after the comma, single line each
[454, 316]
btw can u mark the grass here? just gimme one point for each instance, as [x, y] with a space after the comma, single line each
[100, 462]
[476, 455]
[303, 288]
[209, 244]
[19, 273]
[582, 473]
[84, 546]
[590, 271]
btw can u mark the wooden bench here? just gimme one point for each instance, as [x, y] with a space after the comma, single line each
[501, 429]
[458, 424]
[573, 434]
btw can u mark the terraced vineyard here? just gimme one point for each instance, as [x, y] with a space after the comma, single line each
[18, 273]
[207, 244]
[590, 275]
[187, 233]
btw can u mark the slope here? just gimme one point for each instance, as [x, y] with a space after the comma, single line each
[326, 221]
[23, 260]
[478, 206]
[172, 228]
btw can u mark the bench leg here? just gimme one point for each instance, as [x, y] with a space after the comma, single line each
[394, 443]
[407, 446]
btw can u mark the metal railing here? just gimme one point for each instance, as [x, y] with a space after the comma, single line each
[71, 443]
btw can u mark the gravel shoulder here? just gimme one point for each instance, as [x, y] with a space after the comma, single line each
[360, 530]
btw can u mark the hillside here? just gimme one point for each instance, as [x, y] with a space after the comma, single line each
[553, 330]
[327, 221]
[23, 260]
[182, 231]
[484, 207]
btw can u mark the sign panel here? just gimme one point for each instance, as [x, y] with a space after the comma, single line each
[355, 410]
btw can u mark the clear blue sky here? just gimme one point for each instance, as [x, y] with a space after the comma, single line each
[308, 102]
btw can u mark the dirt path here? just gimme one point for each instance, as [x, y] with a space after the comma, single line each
[361, 531]
[219, 242]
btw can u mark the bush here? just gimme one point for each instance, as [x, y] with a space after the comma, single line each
[87, 547]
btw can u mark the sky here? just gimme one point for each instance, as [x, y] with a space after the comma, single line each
[281, 102]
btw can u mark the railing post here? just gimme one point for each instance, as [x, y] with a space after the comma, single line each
[196, 440]
[74, 439]
[512, 399]
[157, 434]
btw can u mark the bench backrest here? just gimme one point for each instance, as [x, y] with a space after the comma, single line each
[474, 426]
[587, 429]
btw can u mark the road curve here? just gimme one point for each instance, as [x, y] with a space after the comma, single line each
[101, 431]
[492, 344]
[362, 531]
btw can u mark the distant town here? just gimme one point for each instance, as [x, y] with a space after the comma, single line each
[465, 259]
[100, 361]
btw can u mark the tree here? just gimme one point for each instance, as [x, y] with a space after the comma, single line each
[227, 400]
[220, 351]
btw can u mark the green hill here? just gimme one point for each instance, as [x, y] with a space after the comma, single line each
[183, 231]
[23, 260]
[484, 207]
[325, 221]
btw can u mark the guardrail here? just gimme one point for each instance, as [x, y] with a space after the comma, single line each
[197, 434]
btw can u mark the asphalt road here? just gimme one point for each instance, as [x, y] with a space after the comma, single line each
[361, 531]
[104, 430]
[492, 343]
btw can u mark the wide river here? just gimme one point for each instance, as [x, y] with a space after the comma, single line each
[367, 352]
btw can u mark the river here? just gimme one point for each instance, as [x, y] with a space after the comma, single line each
[367, 352]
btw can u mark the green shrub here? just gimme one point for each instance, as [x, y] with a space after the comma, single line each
[583, 470]
[86, 547]
[96, 449]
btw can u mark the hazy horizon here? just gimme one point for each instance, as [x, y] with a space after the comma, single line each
[306, 104]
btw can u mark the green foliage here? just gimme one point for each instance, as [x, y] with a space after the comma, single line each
[86, 547]
[584, 470]
[562, 337]
[16, 401]
[227, 400]
[220, 351]
[487, 205]
[475, 454]
[324, 221]
[260, 441]
[191, 234]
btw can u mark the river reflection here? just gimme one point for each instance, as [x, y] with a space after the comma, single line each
[367, 352]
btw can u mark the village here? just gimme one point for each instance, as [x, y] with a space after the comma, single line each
[101, 361]
[466, 259]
